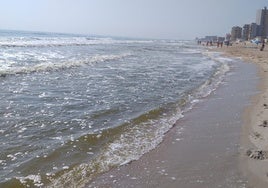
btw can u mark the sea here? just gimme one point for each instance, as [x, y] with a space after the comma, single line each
[73, 107]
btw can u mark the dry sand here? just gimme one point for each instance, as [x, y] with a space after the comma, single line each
[255, 129]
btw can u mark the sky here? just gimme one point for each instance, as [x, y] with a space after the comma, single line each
[161, 19]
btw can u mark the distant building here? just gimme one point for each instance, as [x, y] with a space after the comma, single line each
[221, 39]
[253, 30]
[211, 38]
[228, 37]
[245, 33]
[236, 33]
[262, 21]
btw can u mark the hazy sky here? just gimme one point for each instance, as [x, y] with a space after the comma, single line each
[179, 19]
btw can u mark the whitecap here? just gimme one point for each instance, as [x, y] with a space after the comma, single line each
[65, 167]
[35, 178]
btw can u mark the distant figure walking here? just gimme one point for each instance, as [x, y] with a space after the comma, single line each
[262, 46]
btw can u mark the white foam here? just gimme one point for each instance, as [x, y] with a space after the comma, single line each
[218, 57]
[65, 167]
[129, 146]
[192, 51]
[12, 157]
[61, 41]
[57, 138]
[22, 130]
[49, 66]
[224, 59]
[35, 178]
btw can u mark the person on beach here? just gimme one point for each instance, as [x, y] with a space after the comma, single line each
[262, 46]
[211, 44]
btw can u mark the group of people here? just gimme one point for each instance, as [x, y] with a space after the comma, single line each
[227, 43]
[219, 44]
[210, 43]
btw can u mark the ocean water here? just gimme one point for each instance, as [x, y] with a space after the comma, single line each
[73, 106]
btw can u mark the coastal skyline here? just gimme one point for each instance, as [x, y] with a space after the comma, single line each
[142, 19]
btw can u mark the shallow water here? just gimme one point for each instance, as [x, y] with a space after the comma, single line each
[74, 106]
[203, 149]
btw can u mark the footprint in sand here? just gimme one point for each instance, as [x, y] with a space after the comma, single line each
[257, 135]
[264, 124]
[257, 154]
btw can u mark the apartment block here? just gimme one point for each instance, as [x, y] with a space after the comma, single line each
[236, 33]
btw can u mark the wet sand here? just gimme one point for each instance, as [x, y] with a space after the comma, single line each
[255, 128]
[203, 148]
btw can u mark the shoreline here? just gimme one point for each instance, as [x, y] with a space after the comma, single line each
[202, 149]
[254, 140]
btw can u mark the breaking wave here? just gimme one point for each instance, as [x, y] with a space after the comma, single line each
[62, 41]
[49, 66]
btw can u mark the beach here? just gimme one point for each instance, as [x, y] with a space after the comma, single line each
[255, 133]
[129, 113]
[130, 95]
[204, 148]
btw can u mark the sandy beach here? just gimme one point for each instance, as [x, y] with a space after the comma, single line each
[203, 149]
[255, 128]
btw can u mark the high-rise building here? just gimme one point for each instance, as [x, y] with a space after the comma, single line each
[245, 33]
[253, 30]
[262, 21]
[236, 33]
